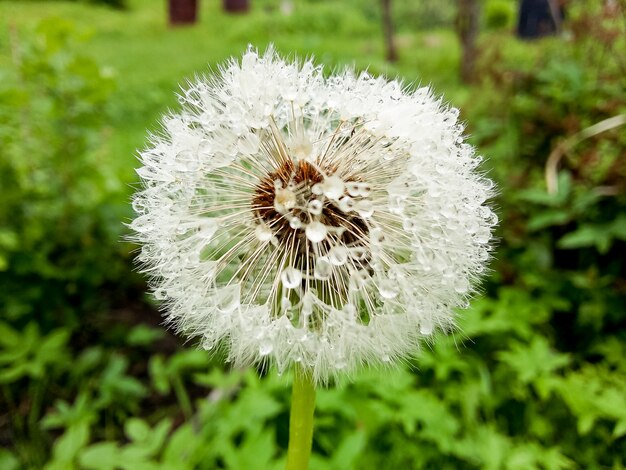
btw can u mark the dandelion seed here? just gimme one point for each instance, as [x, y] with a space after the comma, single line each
[328, 222]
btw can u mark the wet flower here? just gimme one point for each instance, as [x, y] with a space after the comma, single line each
[292, 218]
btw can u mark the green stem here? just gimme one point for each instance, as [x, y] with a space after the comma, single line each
[301, 420]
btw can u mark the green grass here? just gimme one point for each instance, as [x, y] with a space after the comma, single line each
[150, 59]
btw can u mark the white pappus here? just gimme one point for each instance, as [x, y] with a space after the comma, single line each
[296, 218]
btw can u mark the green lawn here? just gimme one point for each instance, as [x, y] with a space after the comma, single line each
[150, 59]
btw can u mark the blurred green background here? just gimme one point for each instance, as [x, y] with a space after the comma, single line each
[535, 378]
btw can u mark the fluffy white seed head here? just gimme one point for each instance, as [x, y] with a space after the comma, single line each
[289, 217]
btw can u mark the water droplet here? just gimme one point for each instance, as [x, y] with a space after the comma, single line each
[377, 236]
[263, 232]
[317, 189]
[388, 289]
[316, 231]
[346, 204]
[365, 208]
[265, 348]
[249, 145]
[228, 300]
[353, 188]
[358, 279]
[491, 218]
[483, 235]
[396, 204]
[426, 327]
[160, 294]
[408, 224]
[323, 268]
[291, 278]
[333, 187]
[472, 227]
[364, 189]
[385, 358]
[285, 303]
[338, 255]
[284, 199]
[461, 285]
[315, 207]
[295, 223]
[358, 253]
[350, 310]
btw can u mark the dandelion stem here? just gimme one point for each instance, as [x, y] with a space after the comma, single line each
[301, 420]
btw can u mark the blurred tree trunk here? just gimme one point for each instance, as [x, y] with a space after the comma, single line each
[468, 17]
[183, 12]
[390, 45]
[236, 6]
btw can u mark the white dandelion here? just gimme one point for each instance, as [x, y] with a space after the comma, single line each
[329, 222]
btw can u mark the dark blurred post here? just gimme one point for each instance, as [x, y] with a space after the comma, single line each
[183, 12]
[538, 18]
[390, 45]
[468, 17]
[236, 6]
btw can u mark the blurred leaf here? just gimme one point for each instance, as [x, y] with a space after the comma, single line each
[67, 447]
[348, 451]
[142, 335]
[587, 236]
[8, 461]
[530, 361]
[102, 456]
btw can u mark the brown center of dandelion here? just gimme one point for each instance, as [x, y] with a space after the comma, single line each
[293, 202]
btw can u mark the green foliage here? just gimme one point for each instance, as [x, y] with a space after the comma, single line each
[534, 378]
[59, 222]
[118, 4]
[499, 14]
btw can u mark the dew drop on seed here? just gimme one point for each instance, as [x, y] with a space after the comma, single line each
[263, 232]
[249, 145]
[365, 208]
[229, 299]
[315, 207]
[291, 278]
[426, 327]
[388, 289]
[350, 309]
[338, 255]
[265, 348]
[333, 187]
[358, 253]
[408, 225]
[346, 204]
[364, 189]
[316, 231]
[285, 303]
[160, 294]
[295, 223]
[377, 236]
[284, 199]
[483, 235]
[323, 268]
[461, 285]
[317, 189]
[396, 204]
[353, 188]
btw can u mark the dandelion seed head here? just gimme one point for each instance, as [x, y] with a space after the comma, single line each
[289, 217]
